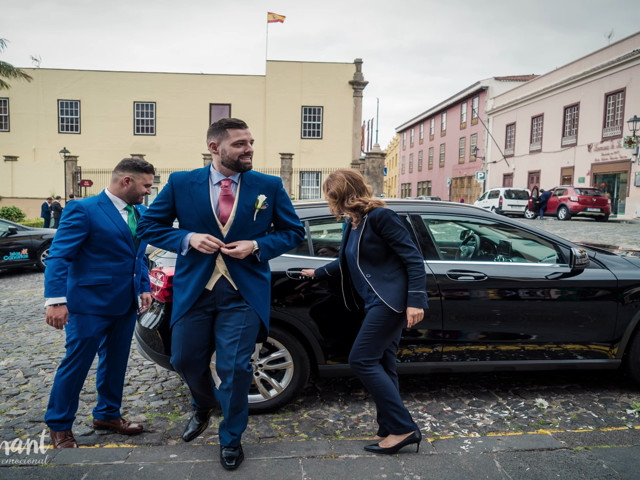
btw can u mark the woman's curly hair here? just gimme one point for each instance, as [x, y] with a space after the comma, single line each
[348, 194]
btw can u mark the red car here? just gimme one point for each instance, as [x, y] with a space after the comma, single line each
[567, 201]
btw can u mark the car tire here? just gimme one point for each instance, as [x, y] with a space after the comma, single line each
[41, 256]
[603, 218]
[281, 369]
[564, 213]
[529, 214]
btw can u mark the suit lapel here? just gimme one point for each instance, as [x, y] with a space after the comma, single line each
[201, 197]
[113, 215]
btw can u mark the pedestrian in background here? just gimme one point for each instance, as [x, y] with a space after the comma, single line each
[382, 264]
[56, 212]
[96, 281]
[544, 197]
[45, 212]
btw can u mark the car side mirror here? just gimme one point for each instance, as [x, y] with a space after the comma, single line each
[12, 231]
[579, 259]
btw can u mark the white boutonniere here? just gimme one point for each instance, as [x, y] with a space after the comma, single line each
[261, 204]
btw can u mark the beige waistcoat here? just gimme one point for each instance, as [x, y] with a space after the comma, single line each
[220, 269]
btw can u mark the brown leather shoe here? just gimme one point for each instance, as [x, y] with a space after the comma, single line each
[63, 439]
[119, 425]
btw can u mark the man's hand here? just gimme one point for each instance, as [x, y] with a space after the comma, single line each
[240, 249]
[414, 315]
[205, 243]
[145, 302]
[57, 316]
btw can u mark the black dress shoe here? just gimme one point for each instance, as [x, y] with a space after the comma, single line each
[197, 424]
[414, 438]
[231, 457]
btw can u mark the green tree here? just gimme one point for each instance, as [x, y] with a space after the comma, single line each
[8, 71]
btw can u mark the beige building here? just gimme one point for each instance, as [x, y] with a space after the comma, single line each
[305, 117]
[567, 128]
[391, 164]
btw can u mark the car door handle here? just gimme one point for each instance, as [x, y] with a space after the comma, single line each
[466, 275]
[296, 274]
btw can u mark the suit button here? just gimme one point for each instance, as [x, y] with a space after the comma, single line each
[368, 275]
[134, 274]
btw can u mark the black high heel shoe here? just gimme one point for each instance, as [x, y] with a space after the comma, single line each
[415, 437]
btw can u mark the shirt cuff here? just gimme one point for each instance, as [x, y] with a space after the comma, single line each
[55, 301]
[184, 245]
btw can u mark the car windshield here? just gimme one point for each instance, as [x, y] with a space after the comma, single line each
[589, 192]
[516, 195]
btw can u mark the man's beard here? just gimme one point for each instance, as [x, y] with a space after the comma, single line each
[234, 164]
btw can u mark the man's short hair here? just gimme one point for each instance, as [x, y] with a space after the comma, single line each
[127, 166]
[49, 198]
[217, 131]
[58, 197]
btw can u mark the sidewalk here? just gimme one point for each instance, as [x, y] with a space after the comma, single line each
[609, 453]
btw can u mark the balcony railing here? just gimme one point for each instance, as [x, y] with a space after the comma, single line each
[613, 131]
[569, 140]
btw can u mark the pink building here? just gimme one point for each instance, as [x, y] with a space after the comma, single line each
[442, 149]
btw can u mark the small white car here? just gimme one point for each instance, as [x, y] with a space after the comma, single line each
[505, 200]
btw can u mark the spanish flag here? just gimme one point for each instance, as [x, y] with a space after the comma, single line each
[275, 18]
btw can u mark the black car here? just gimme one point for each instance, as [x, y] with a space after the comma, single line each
[23, 246]
[503, 295]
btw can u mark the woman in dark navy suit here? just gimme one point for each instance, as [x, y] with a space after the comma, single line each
[385, 269]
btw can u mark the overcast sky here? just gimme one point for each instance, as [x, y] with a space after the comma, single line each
[416, 53]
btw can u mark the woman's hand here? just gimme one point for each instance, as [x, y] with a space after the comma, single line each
[308, 272]
[414, 316]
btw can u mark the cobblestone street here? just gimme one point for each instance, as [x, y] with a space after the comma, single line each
[337, 408]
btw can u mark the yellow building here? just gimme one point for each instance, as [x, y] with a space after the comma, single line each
[391, 164]
[310, 112]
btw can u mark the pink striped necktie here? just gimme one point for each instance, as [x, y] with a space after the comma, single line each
[225, 200]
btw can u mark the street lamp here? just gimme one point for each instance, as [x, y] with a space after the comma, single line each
[63, 153]
[633, 124]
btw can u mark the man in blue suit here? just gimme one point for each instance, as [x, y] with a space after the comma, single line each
[221, 289]
[95, 281]
[45, 212]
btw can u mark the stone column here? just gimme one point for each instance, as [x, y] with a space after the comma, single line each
[70, 166]
[358, 84]
[286, 172]
[206, 159]
[374, 169]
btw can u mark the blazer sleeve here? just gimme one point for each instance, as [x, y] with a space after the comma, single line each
[331, 269]
[287, 231]
[390, 227]
[74, 229]
[156, 223]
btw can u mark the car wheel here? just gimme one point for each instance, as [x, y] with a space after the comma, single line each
[41, 256]
[280, 370]
[603, 218]
[563, 213]
[632, 365]
[530, 214]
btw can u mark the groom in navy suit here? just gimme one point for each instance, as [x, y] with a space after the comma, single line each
[231, 222]
[96, 274]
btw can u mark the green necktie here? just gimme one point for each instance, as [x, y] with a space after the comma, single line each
[131, 220]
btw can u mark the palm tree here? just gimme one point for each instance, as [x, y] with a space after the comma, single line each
[8, 71]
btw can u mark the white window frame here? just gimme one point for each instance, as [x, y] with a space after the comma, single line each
[310, 185]
[443, 122]
[69, 116]
[4, 115]
[144, 118]
[312, 122]
[463, 113]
